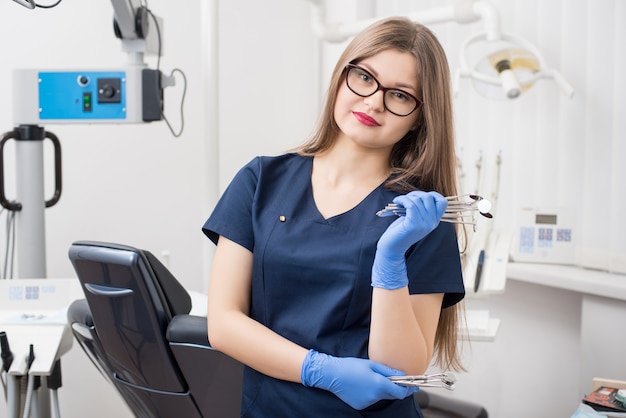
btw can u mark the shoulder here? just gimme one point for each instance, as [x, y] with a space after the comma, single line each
[269, 174]
[264, 163]
[272, 168]
[284, 161]
[441, 244]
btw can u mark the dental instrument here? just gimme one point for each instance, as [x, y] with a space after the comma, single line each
[458, 211]
[444, 380]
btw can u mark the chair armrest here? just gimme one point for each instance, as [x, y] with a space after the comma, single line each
[79, 312]
[189, 329]
[435, 405]
[215, 380]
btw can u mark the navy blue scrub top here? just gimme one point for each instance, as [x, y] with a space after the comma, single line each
[311, 276]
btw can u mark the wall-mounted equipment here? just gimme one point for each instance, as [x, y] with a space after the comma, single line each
[125, 95]
[545, 235]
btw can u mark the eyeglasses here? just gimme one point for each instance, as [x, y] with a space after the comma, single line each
[363, 84]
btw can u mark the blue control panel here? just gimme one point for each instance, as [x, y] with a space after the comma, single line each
[82, 95]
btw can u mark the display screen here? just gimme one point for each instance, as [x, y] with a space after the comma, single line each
[545, 219]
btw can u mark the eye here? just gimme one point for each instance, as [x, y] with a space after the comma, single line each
[399, 95]
[363, 75]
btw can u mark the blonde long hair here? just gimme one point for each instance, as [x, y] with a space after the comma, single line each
[425, 157]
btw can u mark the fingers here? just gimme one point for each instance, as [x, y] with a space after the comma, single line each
[393, 390]
[407, 390]
[423, 211]
[423, 206]
[441, 204]
[385, 370]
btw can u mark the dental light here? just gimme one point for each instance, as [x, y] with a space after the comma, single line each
[508, 71]
[509, 65]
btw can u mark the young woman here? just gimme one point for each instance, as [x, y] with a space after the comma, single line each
[321, 299]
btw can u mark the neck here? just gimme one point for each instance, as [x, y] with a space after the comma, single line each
[345, 164]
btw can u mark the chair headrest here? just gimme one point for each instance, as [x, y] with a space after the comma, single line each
[177, 297]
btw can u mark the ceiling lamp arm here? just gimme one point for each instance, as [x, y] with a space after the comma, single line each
[461, 11]
[490, 16]
[565, 87]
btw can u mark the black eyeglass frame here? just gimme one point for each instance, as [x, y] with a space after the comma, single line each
[350, 67]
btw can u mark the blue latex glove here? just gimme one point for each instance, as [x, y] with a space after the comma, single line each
[423, 212]
[358, 382]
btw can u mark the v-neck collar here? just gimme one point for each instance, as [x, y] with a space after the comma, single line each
[337, 217]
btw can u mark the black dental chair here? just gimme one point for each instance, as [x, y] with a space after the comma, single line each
[135, 327]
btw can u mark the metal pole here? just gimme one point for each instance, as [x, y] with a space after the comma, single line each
[31, 228]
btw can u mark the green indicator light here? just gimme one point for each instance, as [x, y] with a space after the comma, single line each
[87, 102]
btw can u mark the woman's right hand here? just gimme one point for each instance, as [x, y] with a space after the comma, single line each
[358, 382]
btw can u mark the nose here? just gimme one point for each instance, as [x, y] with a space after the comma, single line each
[376, 101]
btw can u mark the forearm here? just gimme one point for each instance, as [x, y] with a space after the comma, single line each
[251, 343]
[403, 326]
[232, 331]
[396, 338]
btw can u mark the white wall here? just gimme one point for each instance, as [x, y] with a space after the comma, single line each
[268, 80]
[140, 186]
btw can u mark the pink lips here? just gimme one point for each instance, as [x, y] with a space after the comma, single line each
[365, 119]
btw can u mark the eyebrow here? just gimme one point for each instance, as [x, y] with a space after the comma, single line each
[375, 74]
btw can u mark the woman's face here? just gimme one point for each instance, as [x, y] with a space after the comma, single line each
[365, 120]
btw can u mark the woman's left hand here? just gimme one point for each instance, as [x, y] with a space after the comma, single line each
[423, 213]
